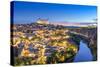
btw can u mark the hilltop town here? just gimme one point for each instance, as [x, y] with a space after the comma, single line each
[42, 43]
[45, 43]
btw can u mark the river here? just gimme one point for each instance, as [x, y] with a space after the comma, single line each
[84, 53]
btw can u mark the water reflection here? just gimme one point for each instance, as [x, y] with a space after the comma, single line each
[84, 53]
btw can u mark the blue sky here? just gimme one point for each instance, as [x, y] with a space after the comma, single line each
[28, 12]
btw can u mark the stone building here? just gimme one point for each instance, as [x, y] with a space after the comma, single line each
[42, 21]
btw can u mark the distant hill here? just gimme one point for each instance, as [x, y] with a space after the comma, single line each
[71, 24]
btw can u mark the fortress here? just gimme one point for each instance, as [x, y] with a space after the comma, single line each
[43, 21]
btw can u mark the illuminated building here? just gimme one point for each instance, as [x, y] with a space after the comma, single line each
[42, 21]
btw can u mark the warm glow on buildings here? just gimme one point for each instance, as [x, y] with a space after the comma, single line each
[42, 21]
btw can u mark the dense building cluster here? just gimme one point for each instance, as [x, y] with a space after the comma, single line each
[39, 42]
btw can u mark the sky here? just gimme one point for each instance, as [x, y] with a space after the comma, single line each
[28, 12]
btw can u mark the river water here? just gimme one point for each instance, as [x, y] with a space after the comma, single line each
[84, 53]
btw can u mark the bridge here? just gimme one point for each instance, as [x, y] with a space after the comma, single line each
[79, 34]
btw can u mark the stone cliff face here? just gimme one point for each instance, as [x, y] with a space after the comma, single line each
[91, 39]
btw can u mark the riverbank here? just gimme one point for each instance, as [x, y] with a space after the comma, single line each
[91, 39]
[84, 53]
[92, 46]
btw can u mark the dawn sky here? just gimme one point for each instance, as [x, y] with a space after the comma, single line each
[28, 12]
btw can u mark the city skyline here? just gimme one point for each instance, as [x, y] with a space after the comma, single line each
[28, 12]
